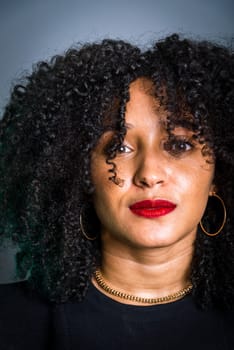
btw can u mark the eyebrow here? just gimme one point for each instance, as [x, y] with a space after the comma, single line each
[129, 126]
[185, 123]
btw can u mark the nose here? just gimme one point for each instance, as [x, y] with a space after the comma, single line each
[151, 171]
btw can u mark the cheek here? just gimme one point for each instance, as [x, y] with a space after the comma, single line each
[109, 198]
[99, 171]
[101, 174]
[107, 203]
[104, 188]
[196, 180]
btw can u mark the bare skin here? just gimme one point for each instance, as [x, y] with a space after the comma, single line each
[147, 274]
[142, 256]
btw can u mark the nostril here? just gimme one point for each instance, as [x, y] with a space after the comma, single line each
[143, 181]
[149, 182]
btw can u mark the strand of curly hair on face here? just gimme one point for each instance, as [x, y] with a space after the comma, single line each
[54, 120]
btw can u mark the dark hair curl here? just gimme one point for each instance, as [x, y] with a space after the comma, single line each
[53, 122]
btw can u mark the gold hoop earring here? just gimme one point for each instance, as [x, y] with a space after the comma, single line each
[223, 222]
[83, 230]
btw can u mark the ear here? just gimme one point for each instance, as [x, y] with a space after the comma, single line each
[213, 189]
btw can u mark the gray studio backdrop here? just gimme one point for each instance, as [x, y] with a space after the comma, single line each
[31, 30]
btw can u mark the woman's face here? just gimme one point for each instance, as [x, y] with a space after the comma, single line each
[166, 183]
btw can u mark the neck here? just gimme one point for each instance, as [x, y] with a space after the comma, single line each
[147, 272]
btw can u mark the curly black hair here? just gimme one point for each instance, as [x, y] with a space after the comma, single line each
[53, 122]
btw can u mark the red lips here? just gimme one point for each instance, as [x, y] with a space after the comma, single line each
[152, 208]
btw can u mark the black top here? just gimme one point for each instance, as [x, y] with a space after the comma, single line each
[25, 319]
[97, 323]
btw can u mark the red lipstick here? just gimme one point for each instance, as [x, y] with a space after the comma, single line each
[152, 208]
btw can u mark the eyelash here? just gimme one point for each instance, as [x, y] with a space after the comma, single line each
[178, 145]
[123, 146]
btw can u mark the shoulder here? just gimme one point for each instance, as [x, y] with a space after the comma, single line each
[25, 318]
[18, 297]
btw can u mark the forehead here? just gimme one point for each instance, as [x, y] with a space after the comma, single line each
[142, 103]
[145, 102]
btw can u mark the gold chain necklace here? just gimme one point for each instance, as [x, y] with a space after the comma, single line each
[172, 297]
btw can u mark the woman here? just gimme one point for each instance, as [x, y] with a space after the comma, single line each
[116, 182]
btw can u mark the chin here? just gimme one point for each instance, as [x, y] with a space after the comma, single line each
[155, 242]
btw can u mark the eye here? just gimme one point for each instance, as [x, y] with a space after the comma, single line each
[178, 145]
[124, 149]
[113, 148]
